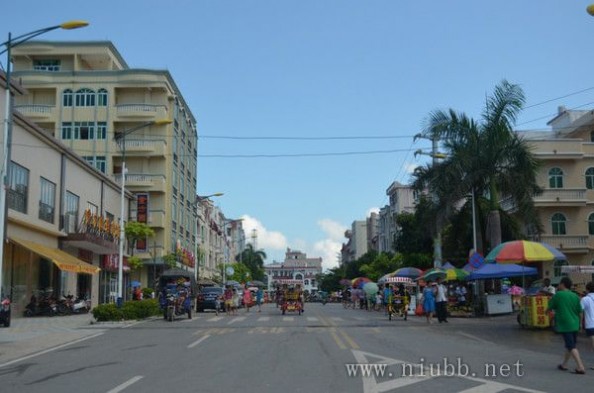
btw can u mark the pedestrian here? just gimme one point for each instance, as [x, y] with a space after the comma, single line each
[587, 303]
[547, 288]
[429, 300]
[228, 296]
[236, 301]
[388, 297]
[218, 304]
[461, 295]
[568, 310]
[441, 302]
[378, 301]
[247, 298]
[259, 299]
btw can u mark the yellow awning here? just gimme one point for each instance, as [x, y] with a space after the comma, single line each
[61, 259]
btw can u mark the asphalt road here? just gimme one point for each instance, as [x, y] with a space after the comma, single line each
[324, 350]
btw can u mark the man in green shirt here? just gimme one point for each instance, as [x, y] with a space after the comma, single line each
[568, 311]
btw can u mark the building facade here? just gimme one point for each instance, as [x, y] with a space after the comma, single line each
[356, 245]
[62, 221]
[296, 268]
[402, 199]
[85, 95]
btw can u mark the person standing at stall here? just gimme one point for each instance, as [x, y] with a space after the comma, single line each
[441, 302]
[568, 311]
[429, 300]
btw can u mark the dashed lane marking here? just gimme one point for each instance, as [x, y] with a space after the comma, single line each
[288, 319]
[214, 319]
[198, 341]
[263, 319]
[236, 319]
[123, 386]
[312, 319]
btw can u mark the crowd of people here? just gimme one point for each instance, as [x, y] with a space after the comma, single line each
[233, 298]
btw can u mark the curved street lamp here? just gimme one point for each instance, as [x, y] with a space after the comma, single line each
[7, 136]
[590, 9]
[121, 139]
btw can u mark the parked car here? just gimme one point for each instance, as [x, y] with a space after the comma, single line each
[206, 299]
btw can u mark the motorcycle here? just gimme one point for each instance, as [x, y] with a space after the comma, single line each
[176, 287]
[5, 312]
[42, 306]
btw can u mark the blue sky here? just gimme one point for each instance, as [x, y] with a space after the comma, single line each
[325, 69]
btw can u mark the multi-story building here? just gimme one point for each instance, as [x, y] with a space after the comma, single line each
[220, 239]
[356, 245]
[402, 199]
[296, 268]
[85, 94]
[373, 232]
[566, 175]
[62, 220]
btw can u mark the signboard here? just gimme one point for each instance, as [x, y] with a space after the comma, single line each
[476, 260]
[535, 311]
[142, 201]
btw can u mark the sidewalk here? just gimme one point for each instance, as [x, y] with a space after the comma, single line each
[26, 336]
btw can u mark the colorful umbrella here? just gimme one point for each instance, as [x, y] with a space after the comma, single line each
[359, 281]
[370, 288]
[524, 251]
[433, 274]
[409, 272]
[456, 274]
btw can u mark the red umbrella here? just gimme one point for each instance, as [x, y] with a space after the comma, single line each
[359, 281]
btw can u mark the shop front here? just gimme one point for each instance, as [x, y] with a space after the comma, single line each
[33, 268]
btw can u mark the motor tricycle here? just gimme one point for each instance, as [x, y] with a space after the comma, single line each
[176, 293]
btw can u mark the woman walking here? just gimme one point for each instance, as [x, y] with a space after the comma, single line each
[429, 300]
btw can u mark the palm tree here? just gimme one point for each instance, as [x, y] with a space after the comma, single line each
[254, 260]
[486, 158]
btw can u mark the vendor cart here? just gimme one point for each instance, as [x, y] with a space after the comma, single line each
[534, 313]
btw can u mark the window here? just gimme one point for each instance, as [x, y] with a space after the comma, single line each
[98, 162]
[590, 178]
[67, 97]
[558, 224]
[101, 130]
[66, 130]
[556, 178]
[102, 97]
[18, 187]
[591, 136]
[47, 201]
[174, 214]
[85, 97]
[71, 212]
[557, 268]
[84, 130]
[174, 148]
[92, 208]
[591, 224]
[46, 65]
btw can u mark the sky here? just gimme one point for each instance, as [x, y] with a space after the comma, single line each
[307, 109]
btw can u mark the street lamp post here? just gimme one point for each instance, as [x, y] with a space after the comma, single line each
[9, 44]
[122, 200]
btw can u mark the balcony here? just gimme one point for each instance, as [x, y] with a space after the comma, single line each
[156, 218]
[141, 111]
[568, 244]
[558, 149]
[147, 182]
[561, 197]
[145, 147]
[36, 111]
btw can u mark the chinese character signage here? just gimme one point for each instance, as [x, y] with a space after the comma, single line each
[142, 201]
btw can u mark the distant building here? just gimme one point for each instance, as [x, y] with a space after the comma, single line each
[356, 246]
[402, 199]
[296, 268]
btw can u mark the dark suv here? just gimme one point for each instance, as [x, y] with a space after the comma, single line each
[207, 297]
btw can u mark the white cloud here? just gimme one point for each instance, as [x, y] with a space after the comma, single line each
[266, 240]
[332, 229]
[328, 250]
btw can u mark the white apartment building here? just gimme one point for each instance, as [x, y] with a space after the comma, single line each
[296, 268]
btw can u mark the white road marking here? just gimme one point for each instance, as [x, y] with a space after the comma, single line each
[236, 319]
[123, 386]
[337, 319]
[214, 319]
[371, 385]
[49, 350]
[288, 319]
[472, 336]
[263, 319]
[312, 319]
[198, 341]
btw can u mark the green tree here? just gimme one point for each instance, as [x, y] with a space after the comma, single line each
[381, 265]
[254, 261]
[241, 273]
[170, 260]
[486, 158]
[135, 231]
[330, 280]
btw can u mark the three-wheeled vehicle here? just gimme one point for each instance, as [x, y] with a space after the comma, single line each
[291, 301]
[177, 288]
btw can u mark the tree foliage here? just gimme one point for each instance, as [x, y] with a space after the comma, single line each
[254, 261]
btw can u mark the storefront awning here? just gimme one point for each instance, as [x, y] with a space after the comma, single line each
[61, 259]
